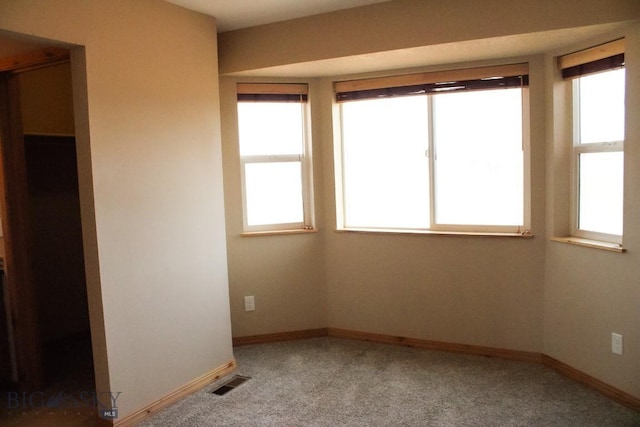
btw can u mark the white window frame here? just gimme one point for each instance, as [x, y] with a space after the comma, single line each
[438, 228]
[579, 148]
[526, 213]
[568, 64]
[305, 160]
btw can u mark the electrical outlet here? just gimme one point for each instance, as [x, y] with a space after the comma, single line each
[249, 303]
[616, 343]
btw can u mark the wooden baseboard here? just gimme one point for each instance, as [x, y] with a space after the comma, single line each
[523, 356]
[171, 398]
[280, 336]
[593, 383]
[101, 422]
[613, 393]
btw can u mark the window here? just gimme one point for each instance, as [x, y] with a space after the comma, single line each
[275, 156]
[597, 85]
[434, 151]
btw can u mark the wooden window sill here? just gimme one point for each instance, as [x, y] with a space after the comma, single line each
[588, 243]
[525, 235]
[278, 232]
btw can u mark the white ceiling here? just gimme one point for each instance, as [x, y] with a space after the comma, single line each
[236, 14]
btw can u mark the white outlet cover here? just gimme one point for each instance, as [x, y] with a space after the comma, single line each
[249, 303]
[616, 343]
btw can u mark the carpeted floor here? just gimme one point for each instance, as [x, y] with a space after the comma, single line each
[335, 382]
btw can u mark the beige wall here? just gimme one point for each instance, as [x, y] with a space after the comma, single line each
[285, 274]
[47, 101]
[591, 293]
[147, 121]
[431, 287]
[513, 293]
[473, 290]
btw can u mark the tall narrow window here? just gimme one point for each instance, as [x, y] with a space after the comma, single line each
[439, 151]
[597, 79]
[275, 156]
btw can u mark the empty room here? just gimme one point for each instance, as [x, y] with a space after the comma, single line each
[329, 212]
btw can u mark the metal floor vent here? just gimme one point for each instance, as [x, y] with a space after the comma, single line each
[230, 385]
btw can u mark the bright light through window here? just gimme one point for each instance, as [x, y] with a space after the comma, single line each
[270, 128]
[386, 173]
[601, 107]
[479, 157]
[598, 154]
[273, 193]
[478, 161]
[273, 157]
[601, 184]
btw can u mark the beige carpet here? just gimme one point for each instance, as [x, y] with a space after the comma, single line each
[335, 382]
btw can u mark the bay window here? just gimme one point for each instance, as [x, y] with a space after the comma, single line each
[443, 151]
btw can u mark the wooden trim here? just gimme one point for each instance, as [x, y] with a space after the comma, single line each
[522, 356]
[524, 234]
[273, 88]
[34, 59]
[431, 77]
[278, 232]
[593, 383]
[588, 243]
[595, 53]
[611, 392]
[101, 422]
[280, 336]
[175, 396]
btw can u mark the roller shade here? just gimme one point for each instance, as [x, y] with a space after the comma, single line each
[272, 92]
[607, 56]
[500, 77]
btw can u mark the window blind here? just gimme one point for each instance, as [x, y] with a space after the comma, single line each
[500, 77]
[272, 92]
[607, 56]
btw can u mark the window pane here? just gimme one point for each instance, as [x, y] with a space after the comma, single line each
[269, 128]
[479, 158]
[273, 193]
[601, 192]
[601, 107]
[385, 167]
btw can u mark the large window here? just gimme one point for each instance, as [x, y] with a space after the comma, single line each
[275, 156]
[434, 151]
[598, 92]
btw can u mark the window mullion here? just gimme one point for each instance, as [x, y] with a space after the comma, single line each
[432, 164]
[576, 112]
[600, 147]
[307, 170]
[575, 188]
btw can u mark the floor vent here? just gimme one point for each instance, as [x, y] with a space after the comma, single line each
[230, 385]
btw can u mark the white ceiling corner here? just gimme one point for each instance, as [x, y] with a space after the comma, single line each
[237, 14]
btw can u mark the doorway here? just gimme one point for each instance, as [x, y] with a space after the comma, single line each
[50, 344]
